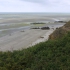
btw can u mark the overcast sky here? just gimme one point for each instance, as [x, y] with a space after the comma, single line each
[35, 6]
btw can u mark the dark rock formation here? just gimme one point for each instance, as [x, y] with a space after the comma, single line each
[45, 28]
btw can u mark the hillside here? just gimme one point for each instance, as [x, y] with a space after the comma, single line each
[49, 55]
[58, 33]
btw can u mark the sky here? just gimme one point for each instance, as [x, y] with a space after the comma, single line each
[35, 6]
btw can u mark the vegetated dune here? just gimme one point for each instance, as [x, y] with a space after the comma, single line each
[59, 32]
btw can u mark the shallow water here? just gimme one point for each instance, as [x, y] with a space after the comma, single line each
[11, 22]
[4, 32]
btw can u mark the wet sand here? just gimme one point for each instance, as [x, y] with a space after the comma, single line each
[24, 39]
[21, 40]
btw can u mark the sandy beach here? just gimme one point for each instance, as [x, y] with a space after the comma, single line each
[12, 36]
[19, 40]
[25, 38]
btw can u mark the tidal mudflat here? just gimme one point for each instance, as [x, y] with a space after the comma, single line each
[16, 32]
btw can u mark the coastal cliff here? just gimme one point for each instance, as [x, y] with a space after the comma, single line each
[60, 32]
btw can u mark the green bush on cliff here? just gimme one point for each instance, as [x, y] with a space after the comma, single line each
[49, 55]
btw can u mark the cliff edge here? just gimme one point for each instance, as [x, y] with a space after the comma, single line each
[58, 33]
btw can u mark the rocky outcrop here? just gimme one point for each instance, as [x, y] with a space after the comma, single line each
[58, 33]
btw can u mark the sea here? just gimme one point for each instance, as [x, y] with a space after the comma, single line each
[7, 25]
[21, 14]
